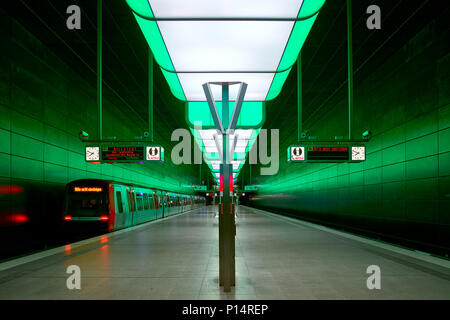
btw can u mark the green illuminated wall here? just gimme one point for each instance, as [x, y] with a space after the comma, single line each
[43, 105]
[402, 191]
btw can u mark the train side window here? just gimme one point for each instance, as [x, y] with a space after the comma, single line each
[133, 201]
[146, 206]
[151, 201]
[139, 203]
[130, 208]
[119, 201]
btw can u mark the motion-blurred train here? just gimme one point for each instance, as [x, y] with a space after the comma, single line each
[110, 205]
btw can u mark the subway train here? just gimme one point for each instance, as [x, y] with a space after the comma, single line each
[110, 205]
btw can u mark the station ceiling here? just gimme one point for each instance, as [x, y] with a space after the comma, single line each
[324, 54]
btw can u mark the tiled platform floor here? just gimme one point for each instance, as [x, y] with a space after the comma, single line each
[178, 259]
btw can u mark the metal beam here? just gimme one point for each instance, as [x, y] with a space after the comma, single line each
[225, 106]
[116, 141]
[233, 144]
[99, 70]
[335, 141]
[350, 67]
[238, 106]
[299, 96]
[213, 108]
[150, 94]
[216, 140]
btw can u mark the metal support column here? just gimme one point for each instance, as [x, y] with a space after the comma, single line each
[150, 94]
[225, 127]
[350, 67]
[99, 70]
[299, 96]
[226, 216]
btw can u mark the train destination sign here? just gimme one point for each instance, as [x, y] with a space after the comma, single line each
[87, 189]
[326, 153]
[99, 154]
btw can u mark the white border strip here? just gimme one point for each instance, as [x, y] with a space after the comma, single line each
[44, 254]
[410, 253]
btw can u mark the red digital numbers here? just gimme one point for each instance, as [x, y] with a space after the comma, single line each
[330, 149]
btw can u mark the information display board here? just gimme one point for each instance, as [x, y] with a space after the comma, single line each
[326, 153]
[116, 153]
[250, 188]
[123, 154]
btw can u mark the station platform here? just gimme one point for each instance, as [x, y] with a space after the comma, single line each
[177, 258]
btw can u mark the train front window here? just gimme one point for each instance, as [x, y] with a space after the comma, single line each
[86, 204]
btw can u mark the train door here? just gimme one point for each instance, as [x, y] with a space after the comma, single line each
[139, 215]
[177, 201]
[120, 205]
[170, 203]
[150, 203]
[167, 205]
[156, 204]
[161, 203]
[131, 206]
[128, 207]
[182, 198]
[164, 200]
